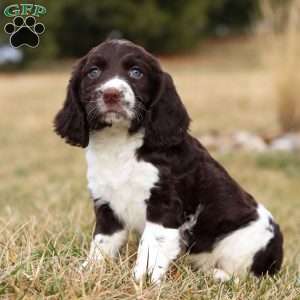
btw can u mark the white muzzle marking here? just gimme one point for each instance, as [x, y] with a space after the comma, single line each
[127, 100]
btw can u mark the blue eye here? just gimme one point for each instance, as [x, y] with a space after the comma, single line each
[94, 72]
[135, 72]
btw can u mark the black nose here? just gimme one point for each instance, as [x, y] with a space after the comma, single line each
[111, 96]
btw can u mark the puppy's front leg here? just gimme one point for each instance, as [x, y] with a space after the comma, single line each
[158, 247]
[160, 241]
[109, 235]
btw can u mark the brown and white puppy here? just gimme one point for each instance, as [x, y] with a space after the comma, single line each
[147, 173]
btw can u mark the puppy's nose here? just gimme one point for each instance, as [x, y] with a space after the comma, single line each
[111, 96]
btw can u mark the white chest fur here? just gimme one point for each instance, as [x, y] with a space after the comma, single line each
[116, 176]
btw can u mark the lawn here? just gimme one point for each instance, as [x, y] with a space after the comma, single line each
[46, 217]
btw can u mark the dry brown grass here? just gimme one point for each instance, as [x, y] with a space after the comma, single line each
[46, 218]
[281, 51]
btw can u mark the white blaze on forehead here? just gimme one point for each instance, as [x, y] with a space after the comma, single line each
[123, 87]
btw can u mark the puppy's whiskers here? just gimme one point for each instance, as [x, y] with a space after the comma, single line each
[138, 115]
[139, 109]
[92, 114]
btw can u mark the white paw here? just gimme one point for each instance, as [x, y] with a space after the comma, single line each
[221, 275]
[157, 248]
[138, 273]
[155, 273]
[158, 274]
[151, 263]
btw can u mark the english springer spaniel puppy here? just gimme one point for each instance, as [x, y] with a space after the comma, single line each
[147, 173]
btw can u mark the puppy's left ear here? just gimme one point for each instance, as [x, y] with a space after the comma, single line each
[167, 120]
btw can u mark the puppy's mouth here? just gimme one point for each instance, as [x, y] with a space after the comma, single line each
[115, 113]
[119, 113]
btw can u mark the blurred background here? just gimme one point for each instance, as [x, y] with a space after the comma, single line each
[235, 64]
[164, 26]
[253, 43]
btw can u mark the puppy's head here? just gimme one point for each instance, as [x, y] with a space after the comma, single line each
[119, 81]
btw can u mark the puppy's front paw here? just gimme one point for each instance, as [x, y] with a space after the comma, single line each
[158, 247]
[138, 273]
[150, 263]
[143, 271]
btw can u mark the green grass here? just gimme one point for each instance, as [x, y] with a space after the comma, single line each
[287, 162]
[46, 218]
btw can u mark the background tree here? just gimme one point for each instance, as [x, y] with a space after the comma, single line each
[162, 26]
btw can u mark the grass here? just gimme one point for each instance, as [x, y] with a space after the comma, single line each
[282, 23]
[46, 219]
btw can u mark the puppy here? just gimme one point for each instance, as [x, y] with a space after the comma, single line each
[147, 173]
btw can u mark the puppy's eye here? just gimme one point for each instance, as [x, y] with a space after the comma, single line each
[136, 73]
[94, 72]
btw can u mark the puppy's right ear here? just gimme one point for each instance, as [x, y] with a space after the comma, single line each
[70, 122]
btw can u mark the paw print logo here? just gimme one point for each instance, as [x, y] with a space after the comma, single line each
[24, 32]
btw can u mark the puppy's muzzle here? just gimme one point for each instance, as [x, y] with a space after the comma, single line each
[111, 96]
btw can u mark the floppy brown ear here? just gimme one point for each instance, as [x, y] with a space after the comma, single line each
[167, 121]
[70, 122]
